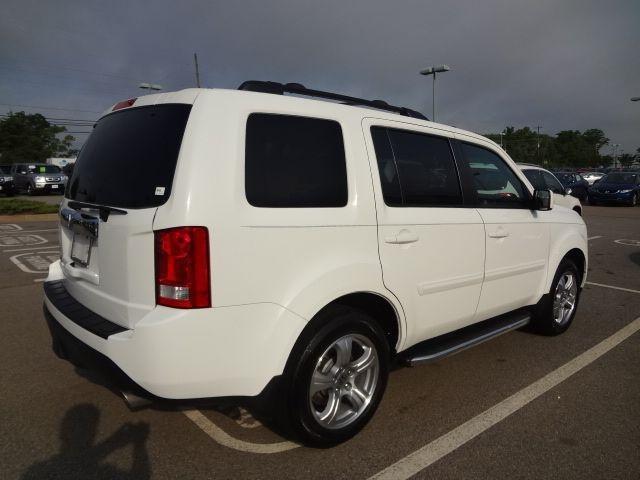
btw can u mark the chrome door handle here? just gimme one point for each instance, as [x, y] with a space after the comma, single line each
[403, 236]
[499, 233]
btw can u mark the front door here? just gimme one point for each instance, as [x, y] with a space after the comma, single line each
[517, 238]
[431, 246]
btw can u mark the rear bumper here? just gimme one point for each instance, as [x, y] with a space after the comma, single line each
[185, 354]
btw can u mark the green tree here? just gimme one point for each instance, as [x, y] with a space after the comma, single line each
[31, 138]
[626, 159]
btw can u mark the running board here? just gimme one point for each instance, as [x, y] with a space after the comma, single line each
[454, 342]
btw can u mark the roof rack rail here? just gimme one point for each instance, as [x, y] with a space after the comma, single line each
[298, 89]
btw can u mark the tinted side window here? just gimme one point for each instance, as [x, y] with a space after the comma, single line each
[535, 178]
[552, 183]
[419, 168]
[494, 182]
[294, 161]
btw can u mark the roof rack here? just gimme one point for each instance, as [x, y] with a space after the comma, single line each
[298, 89]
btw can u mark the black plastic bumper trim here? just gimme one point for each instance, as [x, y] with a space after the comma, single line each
[78, 313]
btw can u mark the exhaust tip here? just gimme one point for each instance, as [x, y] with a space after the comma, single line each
[133, 401]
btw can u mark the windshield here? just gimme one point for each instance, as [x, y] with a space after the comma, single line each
[620, 178]
[130, 158]
[43, 169]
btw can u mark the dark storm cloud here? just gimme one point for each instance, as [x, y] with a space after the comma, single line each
[561, 65]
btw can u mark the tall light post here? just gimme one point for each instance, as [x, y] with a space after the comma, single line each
[615, 151]
[635, 99]
[433, 71]
[150, 86]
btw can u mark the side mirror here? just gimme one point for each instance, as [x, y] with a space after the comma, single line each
[542, 200]
[567, 191]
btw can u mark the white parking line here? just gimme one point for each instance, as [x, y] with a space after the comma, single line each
[223, 438]
[47, 247]
[9, 227]
[594, 237]
[613, 287]
[444, 445]
[31, 231]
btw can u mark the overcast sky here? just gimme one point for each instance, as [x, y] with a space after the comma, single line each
[560, 65]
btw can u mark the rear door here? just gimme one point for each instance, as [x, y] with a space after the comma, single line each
[123, 174]
[431, 246]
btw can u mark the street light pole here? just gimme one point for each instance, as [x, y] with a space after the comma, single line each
[150, 86]
[635, 99]
[433, 71]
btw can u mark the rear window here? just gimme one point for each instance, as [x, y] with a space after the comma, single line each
[130, 158]
[294, 162]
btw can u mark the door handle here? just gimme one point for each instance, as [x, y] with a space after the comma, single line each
[402, 237]
[499, 233]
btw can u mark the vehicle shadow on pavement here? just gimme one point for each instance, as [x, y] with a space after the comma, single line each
[82, 458]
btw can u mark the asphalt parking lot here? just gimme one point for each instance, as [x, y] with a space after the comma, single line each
[520, 406]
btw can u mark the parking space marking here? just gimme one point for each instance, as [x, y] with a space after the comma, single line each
[10, 227]
[223, 438]
[44, 247]
[21, 240]
[38, 262]
[613, 287]
[447, 443]
[594, 237]
[627, 241]
[31, 231]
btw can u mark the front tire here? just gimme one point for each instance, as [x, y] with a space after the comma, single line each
[554, 316]
[336, 378]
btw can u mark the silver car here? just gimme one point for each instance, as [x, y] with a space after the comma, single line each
[34, 178]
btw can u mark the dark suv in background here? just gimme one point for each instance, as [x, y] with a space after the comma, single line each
[6, 181]
[34, 178]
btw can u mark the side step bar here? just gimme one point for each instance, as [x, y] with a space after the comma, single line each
[451, 343]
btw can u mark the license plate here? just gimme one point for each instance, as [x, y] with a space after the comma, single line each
[54, 186]
[81, 249]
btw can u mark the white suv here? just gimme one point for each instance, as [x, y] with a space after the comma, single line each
[282, 250]
[544, 179]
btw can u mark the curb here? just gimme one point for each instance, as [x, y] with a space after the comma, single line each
[40, 217]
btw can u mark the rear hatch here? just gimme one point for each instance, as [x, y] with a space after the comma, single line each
[123, 174]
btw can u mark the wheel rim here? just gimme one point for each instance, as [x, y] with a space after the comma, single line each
[564, 302]
[344, 381]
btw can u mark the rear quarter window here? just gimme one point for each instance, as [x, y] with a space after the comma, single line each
[294, 162]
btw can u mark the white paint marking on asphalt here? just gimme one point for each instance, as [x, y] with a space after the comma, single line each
[33, 231]
[439, 448]
[627, 241]
[611, 286]
[44, 247]
[594, 237]
[9, 227]
[35, 260]
[223, 438]
[40, 280]
[8, 241]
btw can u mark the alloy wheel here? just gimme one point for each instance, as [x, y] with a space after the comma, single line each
[564, 301]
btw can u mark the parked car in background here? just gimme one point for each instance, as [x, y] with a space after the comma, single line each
[331, 241]
[34, 178]
[574, 182]
[6, 181]
[542, 179]
[592, 177]
[617, 187]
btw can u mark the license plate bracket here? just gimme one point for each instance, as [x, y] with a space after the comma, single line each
[81, 248]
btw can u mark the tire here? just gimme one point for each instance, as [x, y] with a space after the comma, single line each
[635, 200]
[591, 201]
[322, 360]
[553, 316]
[30, 190]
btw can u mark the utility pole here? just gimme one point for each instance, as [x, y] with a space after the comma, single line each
[195, 59]
[538, 127]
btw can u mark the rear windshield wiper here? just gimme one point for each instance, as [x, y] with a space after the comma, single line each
[103, 209]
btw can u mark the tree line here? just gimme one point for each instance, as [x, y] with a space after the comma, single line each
[568, 148]
[31, 138]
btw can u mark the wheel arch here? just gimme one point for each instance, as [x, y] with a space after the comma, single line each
[570, 244]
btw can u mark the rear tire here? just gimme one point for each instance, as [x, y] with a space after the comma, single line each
[335, 378]
[30, 190]
[555, 315]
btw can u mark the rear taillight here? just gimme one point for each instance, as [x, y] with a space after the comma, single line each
[182, 267]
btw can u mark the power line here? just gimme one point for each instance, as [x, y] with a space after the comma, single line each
[50, 108]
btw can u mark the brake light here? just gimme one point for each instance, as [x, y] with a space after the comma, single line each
[124, 104]
[182, 267]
